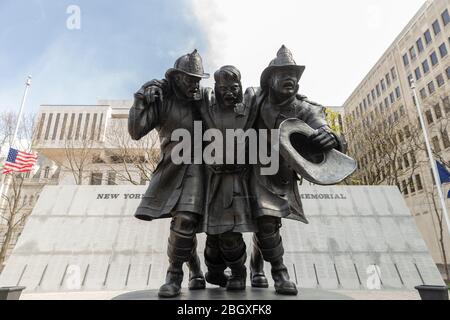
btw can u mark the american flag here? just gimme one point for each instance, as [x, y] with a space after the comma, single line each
[19, 161]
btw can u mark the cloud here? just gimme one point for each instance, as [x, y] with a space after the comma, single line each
[338, 41]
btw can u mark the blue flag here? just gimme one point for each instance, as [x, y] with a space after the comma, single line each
[444, 175]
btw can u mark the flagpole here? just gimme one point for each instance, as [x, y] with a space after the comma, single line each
[4, 184]
[433, 164]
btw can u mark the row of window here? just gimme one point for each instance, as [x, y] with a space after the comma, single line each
[384, 104]
[97, 178]
[411, 185]
[418, 72]
[376, 92]
[419, 46]
[437, 144]
[431, 86]
[438, 114]
[72, 126]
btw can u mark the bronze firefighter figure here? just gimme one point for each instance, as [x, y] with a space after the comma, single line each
[276, 196]
[175, 191]
[225, 200]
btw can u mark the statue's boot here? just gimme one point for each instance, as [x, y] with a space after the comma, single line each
[174, 278]
[181, 247]
[234, 254]
[238, 278]
[270, 243]
[196, 278]
[280, 275]
[257, 275]
[214, 262]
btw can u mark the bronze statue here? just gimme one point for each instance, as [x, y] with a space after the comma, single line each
[228, 208]
[226, 199]
[175, 191]
[276, 196]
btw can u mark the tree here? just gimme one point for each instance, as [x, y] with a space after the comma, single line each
[386, 149]
[12, 213]
[132, 161]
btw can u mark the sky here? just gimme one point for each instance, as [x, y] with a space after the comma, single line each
[80, 51]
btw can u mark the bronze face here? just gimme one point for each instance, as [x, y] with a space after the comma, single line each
[188, 85]
[284, 83]
[230, 92]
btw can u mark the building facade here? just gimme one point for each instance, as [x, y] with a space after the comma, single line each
[381, 119]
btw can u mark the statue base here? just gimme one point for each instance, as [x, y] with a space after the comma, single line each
[248, 294]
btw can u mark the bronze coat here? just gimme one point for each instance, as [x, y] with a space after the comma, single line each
[172, 187]
[278, 195]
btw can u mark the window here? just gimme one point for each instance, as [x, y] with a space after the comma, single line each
[410, 79]
[46, 172]
[94, 125]
[398, 92]
[445, 139]
[419, 45]
[440, 80]
[418, 74]
[413, 158]
[96, 178]
[429, 116]
[86, 125]
[55, 129]
[111, 178]
[388, 79]
[395, 116]
[436, 145]
[425, 67]
[383, 86]
[412, 53]
[406, 160]
[373, 94]
[405, 59]
[77, 133]
[411, 185]
[443, 50]
[431, 88]
[407, 132]
[447, 71]
[402, 110]
[368, 99]
[392, 97]
[399, 164]
[436, 28]
[63, 128]
[446, 102]
[427, 36]
[437, 111]
[49, 123]
[41, 124]
[393, 73]
[423, 93]
[404, 187]
[400, 136]
[72, 121]
[434, 58]
[386, 102]
[419, 182]
[445, 17]
[377, 88]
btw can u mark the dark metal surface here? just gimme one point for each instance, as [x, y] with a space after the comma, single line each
[249, 294]
[326, 168]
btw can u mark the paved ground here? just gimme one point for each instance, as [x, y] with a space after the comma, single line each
[305, 294]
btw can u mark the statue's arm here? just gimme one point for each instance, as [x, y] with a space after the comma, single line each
[144, 115]
[314, 115]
